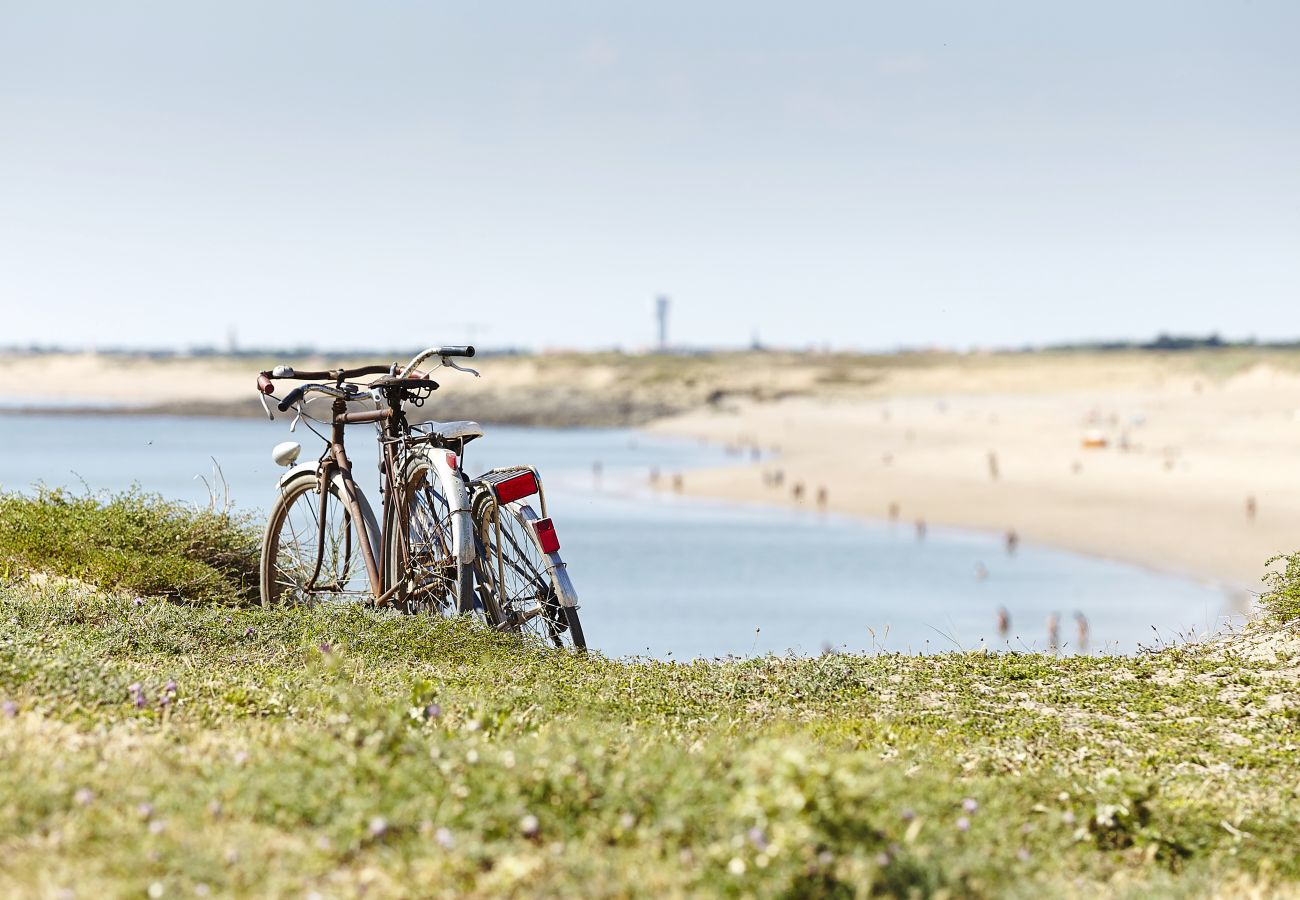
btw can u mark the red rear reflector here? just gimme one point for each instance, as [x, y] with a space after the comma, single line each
[516, 486]
[546, 535]
[451, 460]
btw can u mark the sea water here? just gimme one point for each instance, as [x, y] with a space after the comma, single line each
[666, 576]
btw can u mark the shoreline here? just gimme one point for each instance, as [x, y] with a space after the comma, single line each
[1234, 591]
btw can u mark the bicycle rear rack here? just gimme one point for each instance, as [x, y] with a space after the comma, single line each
[510, 483]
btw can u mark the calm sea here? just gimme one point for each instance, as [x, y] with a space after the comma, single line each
[671, 577]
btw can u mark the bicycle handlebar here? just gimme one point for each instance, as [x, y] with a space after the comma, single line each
[297, 394]
[444, 352]
[266, 387]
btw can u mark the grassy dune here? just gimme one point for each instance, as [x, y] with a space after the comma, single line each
[178, 748]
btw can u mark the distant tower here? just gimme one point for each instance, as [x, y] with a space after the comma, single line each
[661, 313]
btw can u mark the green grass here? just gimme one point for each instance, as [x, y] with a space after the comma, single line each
[200, 747]
[1281, 599]
[131, 542]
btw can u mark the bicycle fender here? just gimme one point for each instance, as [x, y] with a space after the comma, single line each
[367, 514]
[456, 491]
[564, 589]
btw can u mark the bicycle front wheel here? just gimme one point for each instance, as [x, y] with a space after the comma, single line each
[303, 563]
[520, 576]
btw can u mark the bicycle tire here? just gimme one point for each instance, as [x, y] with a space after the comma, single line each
[523, 586]
[285, 566]
[439, 584]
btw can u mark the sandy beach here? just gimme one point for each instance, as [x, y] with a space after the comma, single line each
[991, 442]
[1171, 488]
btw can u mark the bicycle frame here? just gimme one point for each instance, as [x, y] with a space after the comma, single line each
[334, 464]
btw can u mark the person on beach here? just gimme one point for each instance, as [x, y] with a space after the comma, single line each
[894, 511]
[1251, 508]
[823, 497]
[920, 529]
[1053, 633]
[993, 466]
[1004, 622]
[797, 490]
[1013, 541]
[1081, 624]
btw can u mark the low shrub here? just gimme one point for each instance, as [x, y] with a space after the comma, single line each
[132, 541]
[1281, 599]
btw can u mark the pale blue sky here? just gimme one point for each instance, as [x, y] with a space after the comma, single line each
[864, 174]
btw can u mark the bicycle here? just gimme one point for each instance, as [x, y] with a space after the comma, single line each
[445, 544]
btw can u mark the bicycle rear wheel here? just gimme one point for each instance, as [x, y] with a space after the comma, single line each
[520, 577]
[291, 547]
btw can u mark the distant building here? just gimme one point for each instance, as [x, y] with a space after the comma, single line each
[661, 314]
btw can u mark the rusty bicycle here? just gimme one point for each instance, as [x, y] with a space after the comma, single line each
[443, 543]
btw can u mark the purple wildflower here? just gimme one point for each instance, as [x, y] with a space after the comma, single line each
[137, 694]
[432, 711]
[908, 814]
[10, 709]
[1022, 854]
[378, 826]
[882, 859]
[970, 805]
[758, 838]
[444, 838]
[325, 648]
[963, 824]
[138, 601]
[250, 631]
[145, 810]
[84, 796]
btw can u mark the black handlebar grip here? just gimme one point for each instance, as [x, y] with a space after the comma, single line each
[462, 350]
[290, 399]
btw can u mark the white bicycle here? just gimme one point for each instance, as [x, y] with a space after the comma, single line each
[443, 544]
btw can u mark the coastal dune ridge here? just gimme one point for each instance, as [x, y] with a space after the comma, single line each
[1180, 461]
